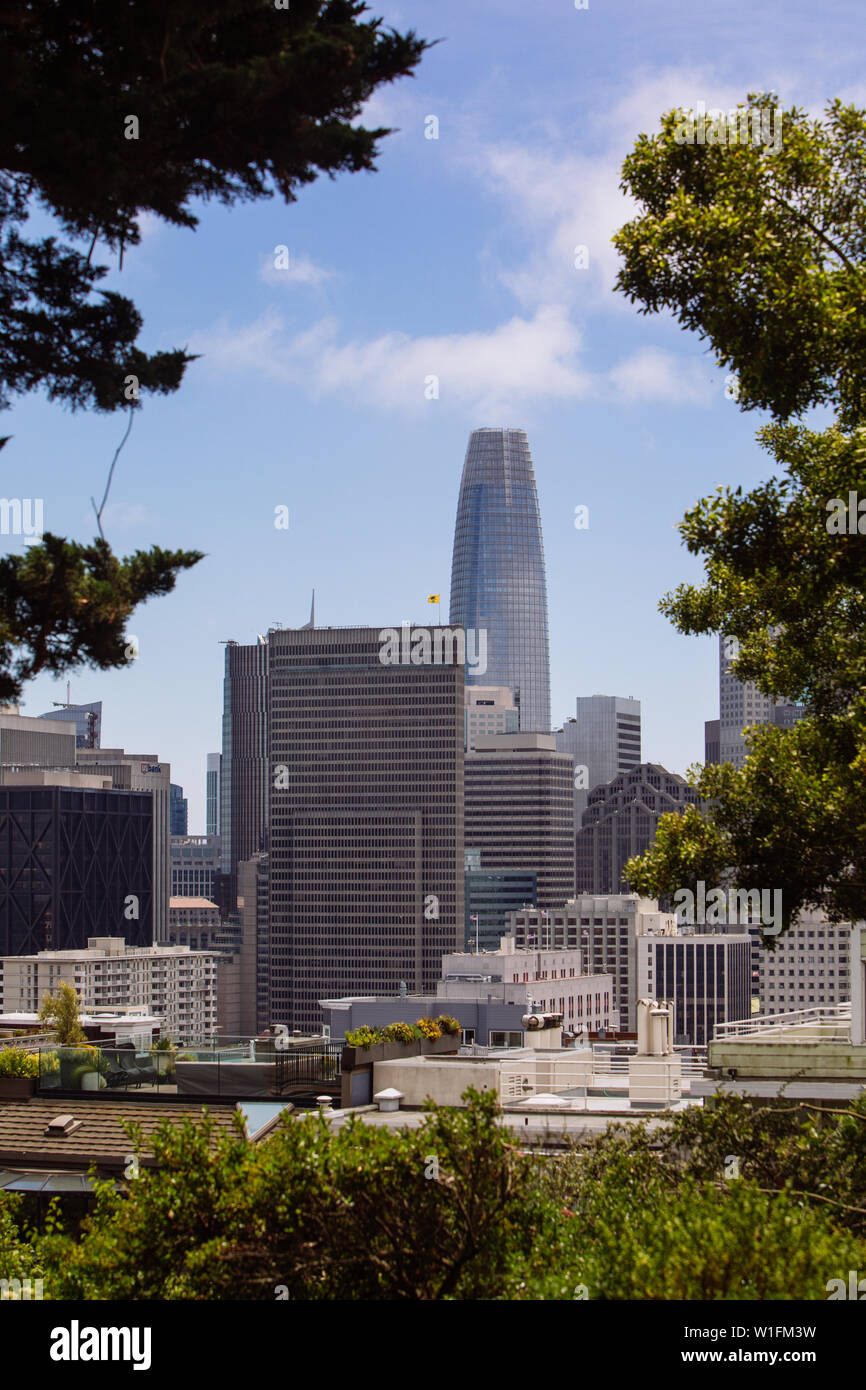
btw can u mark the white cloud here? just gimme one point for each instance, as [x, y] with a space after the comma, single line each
[653, 375]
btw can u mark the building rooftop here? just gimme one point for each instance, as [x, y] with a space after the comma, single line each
[99, 1138]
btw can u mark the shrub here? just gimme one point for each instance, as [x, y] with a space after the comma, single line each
[15, 1061]
[429, 1029]
[365, 1036]
[447, 1024]
[401, 1033]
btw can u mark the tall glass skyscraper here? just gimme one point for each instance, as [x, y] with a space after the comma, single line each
[498, 580]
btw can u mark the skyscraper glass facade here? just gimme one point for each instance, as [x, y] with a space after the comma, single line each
[498, 583]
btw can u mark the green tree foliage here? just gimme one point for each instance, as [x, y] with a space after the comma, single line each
[452, 1210]
[763, 252]
[233, 99]
[59, 1013]
[760, 251]
[62, 603]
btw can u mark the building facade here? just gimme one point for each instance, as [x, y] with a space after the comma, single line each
[366, 817]
[142, 772]
[212, 793]
[603, 739]
[172, 982]
[178, 811]
[490, 709]
[707, 979]
[74, 859]
[491, 897]
[606, 928]
[195, 863]
[810, 966]
[621, 820]
[519, 810]
[244, 783]
[741, 703]
[498, 581]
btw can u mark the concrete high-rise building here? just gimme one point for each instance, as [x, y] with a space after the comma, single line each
[498, 583]
[212, 794]
[86, 718]
[810, 966]
[519, 810]
[178, 810]
[621, 820]
[244, 762]
[490, 709]
[603, 739]
[365, 827]
[145, 773]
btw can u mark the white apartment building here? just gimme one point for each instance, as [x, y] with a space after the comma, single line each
[176, 984]
[811, 965]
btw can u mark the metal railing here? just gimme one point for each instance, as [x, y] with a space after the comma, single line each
[825, 1020]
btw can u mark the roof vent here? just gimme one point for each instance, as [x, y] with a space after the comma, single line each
[62, 1125]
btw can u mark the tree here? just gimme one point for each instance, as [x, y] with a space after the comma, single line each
[765, 254]
[761, 250]
[452, 1210]
[109, 111]
[59, 1012]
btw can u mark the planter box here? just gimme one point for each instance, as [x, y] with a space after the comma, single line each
[17, 1087]
[390, 1051]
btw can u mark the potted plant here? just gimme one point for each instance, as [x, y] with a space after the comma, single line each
[18, 1073]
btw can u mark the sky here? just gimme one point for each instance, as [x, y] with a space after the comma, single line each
[455, 260]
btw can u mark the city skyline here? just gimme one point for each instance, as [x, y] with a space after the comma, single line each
[318, 373]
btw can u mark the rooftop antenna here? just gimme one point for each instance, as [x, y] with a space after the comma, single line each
[312, 622]
[64, 704]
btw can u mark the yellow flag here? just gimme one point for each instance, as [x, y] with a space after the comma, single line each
[432, 598]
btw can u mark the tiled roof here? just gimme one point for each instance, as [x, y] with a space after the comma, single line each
[99, 1140]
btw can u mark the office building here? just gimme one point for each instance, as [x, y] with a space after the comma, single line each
[606, 929]
[142, 772]
[712, 742]
[810, 966]
[620, 821]
[498, 583]
[490, 709]
[603, 739]
[519, 810]
[491, 897]
[705, 976]
[178, 811]
[76, 857]
[172, 982]
[365, 828]
[252, 916]
[195, 863]
[212, 793]
[87, 720]
[244, 783]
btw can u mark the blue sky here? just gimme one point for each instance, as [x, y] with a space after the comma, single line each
[455, 259]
